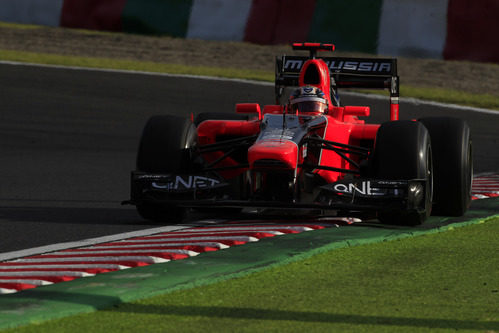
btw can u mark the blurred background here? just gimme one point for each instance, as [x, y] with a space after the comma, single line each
[443, 29]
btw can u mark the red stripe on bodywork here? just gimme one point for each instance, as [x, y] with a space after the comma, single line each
[279, 21]
[209, 130]
[93, 14]
[284, 151]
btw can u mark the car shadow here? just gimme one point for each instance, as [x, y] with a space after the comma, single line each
[301, 316]
[75, 215]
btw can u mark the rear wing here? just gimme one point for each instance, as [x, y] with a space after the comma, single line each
[370, 73]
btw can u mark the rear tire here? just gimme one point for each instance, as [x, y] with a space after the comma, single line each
[162, 149]
[452, 164]
[402, 152]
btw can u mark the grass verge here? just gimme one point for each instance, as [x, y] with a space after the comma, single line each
[19, 25]
[123, 64]
[433, 94]
[440, 282]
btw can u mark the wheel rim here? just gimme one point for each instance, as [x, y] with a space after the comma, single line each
[469, 176]
[429, 176]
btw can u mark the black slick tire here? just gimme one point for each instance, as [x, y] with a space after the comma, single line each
[162, 145]
[402, 152]
[162, 149]
[452, 164]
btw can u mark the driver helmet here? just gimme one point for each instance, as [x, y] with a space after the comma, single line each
[308, 99]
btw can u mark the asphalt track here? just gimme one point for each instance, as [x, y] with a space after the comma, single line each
[68, 140]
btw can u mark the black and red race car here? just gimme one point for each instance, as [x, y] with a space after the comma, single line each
[295, 155]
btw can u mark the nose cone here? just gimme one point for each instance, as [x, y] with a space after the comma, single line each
[273, 154]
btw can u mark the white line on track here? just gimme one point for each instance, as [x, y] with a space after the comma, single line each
[481, 196]
[409, 100]
[223, 233]
[219, 246]
[146, 259]
[114, 252]
[493, 174]
[47, 273]
[207, 238]
[88, 242]
[25, 281]
[7, 291]
[70, 266]
[234, 228]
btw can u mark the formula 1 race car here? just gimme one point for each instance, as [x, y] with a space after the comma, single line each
[307, 152]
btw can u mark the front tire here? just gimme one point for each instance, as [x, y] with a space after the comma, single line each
[163, 145]
[164, 149]
[403, 151]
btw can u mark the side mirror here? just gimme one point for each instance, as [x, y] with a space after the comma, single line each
[361, 111]
[250, 108]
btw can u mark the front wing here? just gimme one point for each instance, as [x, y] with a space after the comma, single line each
[209, 190]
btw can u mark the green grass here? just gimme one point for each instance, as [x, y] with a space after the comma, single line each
[440, 282]
[449, 96]
[123, 64]
[434, 94]
[18, 25]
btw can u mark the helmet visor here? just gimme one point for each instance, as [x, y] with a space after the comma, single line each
[309, 106]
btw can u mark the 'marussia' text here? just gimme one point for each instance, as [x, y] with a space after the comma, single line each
[341, 65]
